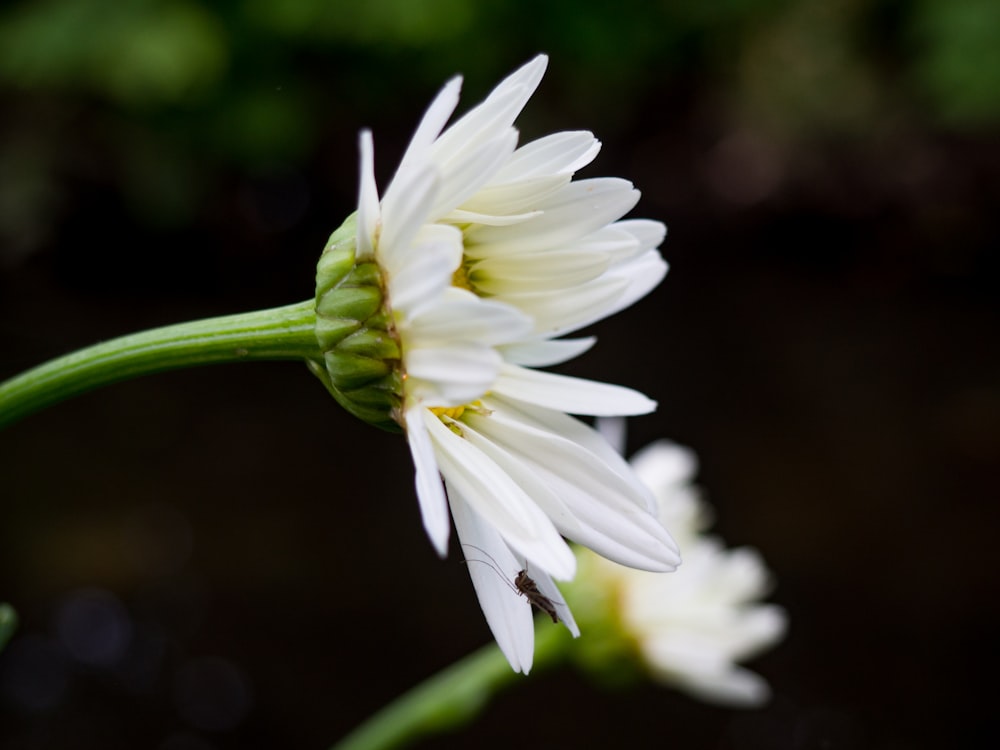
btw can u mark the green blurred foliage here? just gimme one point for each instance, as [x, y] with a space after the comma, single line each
[957, 62]
[376, 22]
[169, 96]
[805, 72]
[135, 52]
[807, 54]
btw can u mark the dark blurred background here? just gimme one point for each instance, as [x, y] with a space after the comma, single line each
[222, 558]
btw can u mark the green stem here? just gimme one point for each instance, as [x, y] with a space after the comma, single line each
[281, 333]
[451, 697]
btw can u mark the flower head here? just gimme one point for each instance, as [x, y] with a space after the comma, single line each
[689, 628]
[486, 252]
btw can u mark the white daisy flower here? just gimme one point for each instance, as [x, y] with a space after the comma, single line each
[488, 251]
[691, 627]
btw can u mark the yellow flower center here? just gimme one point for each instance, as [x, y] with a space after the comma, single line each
[461, 279]
[456, 412]
[451, 415]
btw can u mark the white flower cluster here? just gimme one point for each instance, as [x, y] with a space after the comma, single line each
[691, 627]
[489, 254]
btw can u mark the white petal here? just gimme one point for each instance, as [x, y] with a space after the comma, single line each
[557, 558]
[575, 211]
[546, 353]
[614, 430]
[441, 234]
[643, 273]
[368, 207]
[569, 394]
[507, 613]
[429, 270]
[734, 687]
[430, 491]
[548, 589]
[556, 314]
[462, 177]
[508, 452]
[741, 571]
[692, 648]
[613, 240]
[556, 154]
[460, 316]
[586, 436]
[519, 199]
[610, 517]
[528, 75]
[405, 208]
[663, 464]
[545, 272]
[761, 626]
[634, 278]
[691, 663]
[431, 124]
[650, 234]
[499, 109]
[460, 216]
[451, 375]
[498, 499]
[489, 121]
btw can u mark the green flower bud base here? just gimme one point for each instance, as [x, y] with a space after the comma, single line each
[361, 356]
[344, 335]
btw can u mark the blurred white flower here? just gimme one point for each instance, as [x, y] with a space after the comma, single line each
[691, 627]
[488, 252]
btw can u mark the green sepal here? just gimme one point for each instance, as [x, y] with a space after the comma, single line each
[352, 371]
[367, 404]
[361, 356]
[371, 342]
[349, 302]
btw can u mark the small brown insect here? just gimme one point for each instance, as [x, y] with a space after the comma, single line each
[527, 587]
[523, 584]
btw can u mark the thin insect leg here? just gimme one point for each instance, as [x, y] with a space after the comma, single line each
[496, 565]
[524, 585]
[499, 573]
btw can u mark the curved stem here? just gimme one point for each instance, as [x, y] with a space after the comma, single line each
[452, 697]
[280, 333]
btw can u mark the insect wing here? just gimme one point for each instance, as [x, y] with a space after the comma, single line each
[547, 588]
[527, 587]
